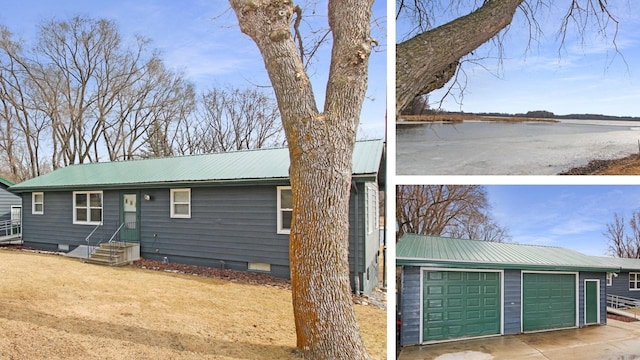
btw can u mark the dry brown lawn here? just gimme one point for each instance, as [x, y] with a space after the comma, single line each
[52, 307]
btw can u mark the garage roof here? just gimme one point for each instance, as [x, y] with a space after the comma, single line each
[432, 251]
[5, 182]
[247, 166]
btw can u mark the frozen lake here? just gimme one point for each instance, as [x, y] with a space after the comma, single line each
[532, 148]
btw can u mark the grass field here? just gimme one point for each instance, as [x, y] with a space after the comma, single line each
[52, 307]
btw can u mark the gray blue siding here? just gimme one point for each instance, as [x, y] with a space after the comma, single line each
[230, 226]
[56, 226]
[512, 301]
[410, 306]
[620, 286]
[7, 200]
[369, 243]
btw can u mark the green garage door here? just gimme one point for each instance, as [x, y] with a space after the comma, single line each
[548, 301]
[460, 304]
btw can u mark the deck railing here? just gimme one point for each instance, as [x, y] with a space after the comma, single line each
[10, 228]
[622, 302]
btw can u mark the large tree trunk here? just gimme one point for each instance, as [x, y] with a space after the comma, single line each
[429, 60]
[320, 148]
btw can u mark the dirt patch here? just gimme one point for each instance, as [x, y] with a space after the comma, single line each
[620, 318]
[60, 308]
[242, 277]
[629, 165]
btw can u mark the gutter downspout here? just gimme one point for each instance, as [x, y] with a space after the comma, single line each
[356, 249]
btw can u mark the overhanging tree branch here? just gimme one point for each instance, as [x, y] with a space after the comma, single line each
[427, 61]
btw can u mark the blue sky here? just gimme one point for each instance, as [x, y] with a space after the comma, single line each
[571, 216]
[202, 39]
[586, 75]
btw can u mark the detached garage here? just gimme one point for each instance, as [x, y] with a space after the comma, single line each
[453, 289]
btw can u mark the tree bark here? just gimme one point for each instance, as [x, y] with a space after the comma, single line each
[429, 60]
[320, 148]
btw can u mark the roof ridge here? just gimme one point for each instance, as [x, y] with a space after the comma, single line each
[488, 241]
[197, 155]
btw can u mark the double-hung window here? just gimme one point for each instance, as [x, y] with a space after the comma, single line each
[181, 203]
[87, 207]
[285, 209]
[37, 203]
[634, 281]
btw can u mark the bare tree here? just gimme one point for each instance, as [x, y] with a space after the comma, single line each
[238, 119]
[320, 147]
[24, 127]
[460, 211]
[430, 58]
[81, 95]
[621, 243]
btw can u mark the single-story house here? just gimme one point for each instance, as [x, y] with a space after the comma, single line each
[456, 289]
[9, 202]
[230, 210]
[626, 281]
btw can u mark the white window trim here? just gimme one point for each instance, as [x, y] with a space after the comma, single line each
[372, 206]
[637, 281]
[88, 222]
[280, 229]
[609, 278]
[173, 203]
[33, 203]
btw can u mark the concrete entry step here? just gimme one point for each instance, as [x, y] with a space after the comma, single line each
[116, 254]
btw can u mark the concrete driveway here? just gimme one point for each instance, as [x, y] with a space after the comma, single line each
[616, 340]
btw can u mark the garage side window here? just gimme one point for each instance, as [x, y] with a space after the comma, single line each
[285, 209]
[634, 281]
[609, 279]
[87, 207]
[181, 203]
[37, 203]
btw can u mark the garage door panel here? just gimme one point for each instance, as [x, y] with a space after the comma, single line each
[454, 303]
[470, 304]
[548, 301]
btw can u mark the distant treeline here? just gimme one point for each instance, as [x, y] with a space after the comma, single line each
[543, 114]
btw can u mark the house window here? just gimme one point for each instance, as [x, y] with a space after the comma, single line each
[634, 281]
[373, 217]
[87, 207]
[37, 203]
[181, 203]
[609, 279]
[285, 209]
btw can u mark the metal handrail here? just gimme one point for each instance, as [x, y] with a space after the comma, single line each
[87, 239]
[112, 250]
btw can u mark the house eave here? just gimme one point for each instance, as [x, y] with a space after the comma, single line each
[171, 184]
[437, 263]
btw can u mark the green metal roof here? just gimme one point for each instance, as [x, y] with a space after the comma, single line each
[5, 182]
[431, 251]
[231, 167]
[621, 263]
